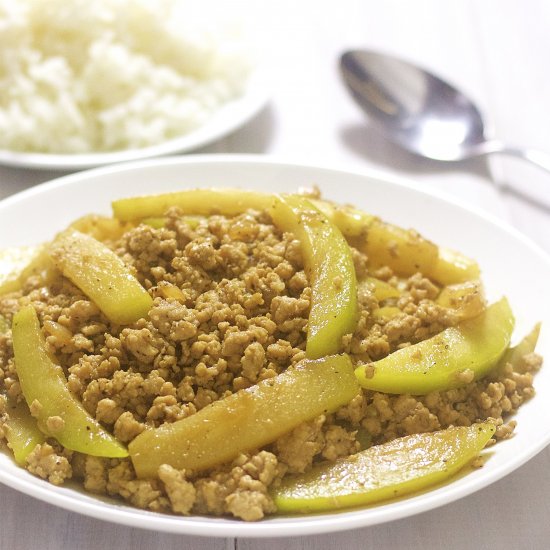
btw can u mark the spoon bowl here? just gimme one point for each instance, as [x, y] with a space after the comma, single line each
[421, 112]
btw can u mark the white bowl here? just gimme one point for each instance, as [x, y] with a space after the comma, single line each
[511, 265]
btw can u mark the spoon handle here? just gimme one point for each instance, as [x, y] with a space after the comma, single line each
[535, 157]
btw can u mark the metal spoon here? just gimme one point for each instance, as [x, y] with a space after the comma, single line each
[420, 112]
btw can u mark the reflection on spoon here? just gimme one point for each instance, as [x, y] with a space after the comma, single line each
[420, 112]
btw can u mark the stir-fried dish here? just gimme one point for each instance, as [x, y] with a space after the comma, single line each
[234, 353]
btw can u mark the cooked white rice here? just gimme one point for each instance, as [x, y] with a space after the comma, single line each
[83, 76]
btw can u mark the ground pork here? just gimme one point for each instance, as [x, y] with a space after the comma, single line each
[230, 308]
[181, 492]
[44, 462]
[385, 417]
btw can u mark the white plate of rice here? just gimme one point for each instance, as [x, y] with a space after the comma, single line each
[85, 84]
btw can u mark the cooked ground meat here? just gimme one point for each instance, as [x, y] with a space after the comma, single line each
[231, 306]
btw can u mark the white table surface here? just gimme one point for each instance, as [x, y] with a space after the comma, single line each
[496, 50]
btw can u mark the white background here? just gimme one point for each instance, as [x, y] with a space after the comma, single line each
[498, 51]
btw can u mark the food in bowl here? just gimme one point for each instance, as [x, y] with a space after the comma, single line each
[234, 353]
[112, 75]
